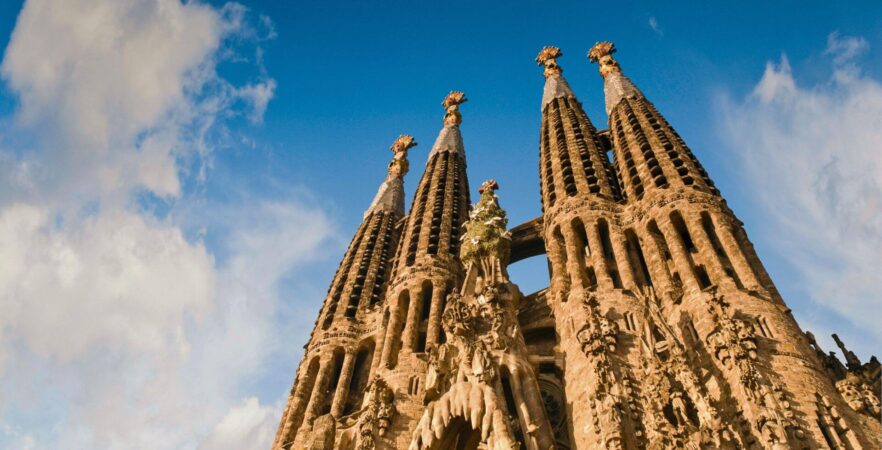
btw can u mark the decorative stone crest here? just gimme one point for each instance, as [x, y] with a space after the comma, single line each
[451, 103]
[390, 195]
[548, 58]
[602, 53]
[399, 166]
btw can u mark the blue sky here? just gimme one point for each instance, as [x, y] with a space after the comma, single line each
[178, 181]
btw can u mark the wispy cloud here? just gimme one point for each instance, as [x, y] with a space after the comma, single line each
[845, 48]
[811, 155]
[653, 23]
[116, 329]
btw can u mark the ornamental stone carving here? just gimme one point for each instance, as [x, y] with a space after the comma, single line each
[859, 395]
[452, 116]
[599, 334]
[376, 416]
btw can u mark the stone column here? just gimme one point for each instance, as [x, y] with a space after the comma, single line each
[556, 257]
[434, 331]
[412, 321]
[733, 250]
[604, 281]
[342, 392]
[319, 388]
[655, 261]
[623, 258]
[575, 267]
[377, 356]
[707, 251]
[678, 253]
[523, 413]
[526, 393]
[391, 333]
[291, 413]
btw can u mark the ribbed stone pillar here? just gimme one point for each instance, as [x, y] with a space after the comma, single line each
[678, 253]
[342, 392]
[655, 261]
[391, 335]
[575, 268]
[626, 270]
[437, 308]
[707, 251]
[319, 388]
[733, 250]
[601, 268]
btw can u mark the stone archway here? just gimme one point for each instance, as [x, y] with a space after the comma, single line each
[467, 414]
[459, 436]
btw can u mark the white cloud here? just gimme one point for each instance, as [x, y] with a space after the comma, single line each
[844, 49]
[653, 23]
[248, 425]
[116, 329]
[777, 82]
[111, 85]
[811, 156]
[111, 280]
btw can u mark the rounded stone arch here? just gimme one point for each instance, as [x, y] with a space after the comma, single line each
[459, 436]
[527, 240]
[528, 249]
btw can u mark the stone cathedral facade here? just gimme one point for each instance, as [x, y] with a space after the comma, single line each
[660, 328]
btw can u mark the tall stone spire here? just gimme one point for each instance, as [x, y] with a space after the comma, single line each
[555, 84]
[427, 265]
[572, 162]
[327, 375]
[616, 86]
[450, 139]
[649, 154]
[390, 196]
[442, 197]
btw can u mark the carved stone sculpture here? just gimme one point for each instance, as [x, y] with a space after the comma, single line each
[377, 414]
[599, 334]
[859, 396]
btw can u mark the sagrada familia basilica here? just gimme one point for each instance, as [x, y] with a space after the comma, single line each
[660, 328]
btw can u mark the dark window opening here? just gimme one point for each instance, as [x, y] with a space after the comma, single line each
[703, 279]
[638, 262]
[608, 254]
